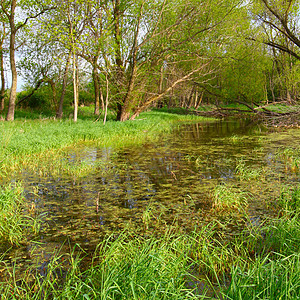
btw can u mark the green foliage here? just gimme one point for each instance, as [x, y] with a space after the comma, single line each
[38, 101]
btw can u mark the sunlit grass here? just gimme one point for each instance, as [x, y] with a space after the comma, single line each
[26, 143]
[227, 200]
[258, 261]
[15, 225]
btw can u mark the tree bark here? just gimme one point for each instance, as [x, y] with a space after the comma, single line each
[59, 112]
[96, 88]
[75, 86]
[106, 99]
[14, 76]
[118, 57]
[2, 92]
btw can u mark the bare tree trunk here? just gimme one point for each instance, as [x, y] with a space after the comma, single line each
[75, 88]
[102, 99]
[190, 99]
[160, 102]
[196, 99]
[14, 80]
[97, 89]
[118, 57]
[59, 112]
[199, 101]
[106, 100]
[2, 92]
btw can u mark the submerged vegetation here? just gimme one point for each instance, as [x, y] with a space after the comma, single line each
[36, 144]
[182, 240]
[15, 224]
[258, 263]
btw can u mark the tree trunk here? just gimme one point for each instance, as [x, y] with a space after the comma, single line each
[59, 112]
[14, 80]
[75, 88]
[118, 58]
[106, 100]
[2, 92]
[97, 89]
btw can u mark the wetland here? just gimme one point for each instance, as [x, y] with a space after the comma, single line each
[206, 199]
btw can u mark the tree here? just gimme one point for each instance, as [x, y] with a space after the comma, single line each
[280, 21]
[151, 36]
[2, 91]
[283, 17]
[31, 10]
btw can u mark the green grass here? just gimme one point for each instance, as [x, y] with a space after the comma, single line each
[259, 263]
[277, 279]
[227, 200]
[29, 143]
[222, 259]
[15, 226]
[246, 173]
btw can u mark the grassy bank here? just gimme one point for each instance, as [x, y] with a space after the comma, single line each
[259, 263]
[29, 144]
[171, 250]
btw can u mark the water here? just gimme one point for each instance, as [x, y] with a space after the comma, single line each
[172, 180]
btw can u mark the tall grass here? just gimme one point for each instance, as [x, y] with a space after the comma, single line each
[26, 143]
[122, 268]
[260, 263]
[275, 279]
[14, 224]
[227, 200]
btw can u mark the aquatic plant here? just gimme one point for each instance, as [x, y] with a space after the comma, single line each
[31, 144]
[245, 172]
[290, 157]
[14, 225]
[122, 268]
[226, 199]
[172, 265]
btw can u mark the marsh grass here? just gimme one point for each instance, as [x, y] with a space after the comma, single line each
[289, 200]
[228, 200]
[276, 279]
[14, 224]
[205, 264]
[247, 173]
[290, 157]
[122, 268]
[28, 144]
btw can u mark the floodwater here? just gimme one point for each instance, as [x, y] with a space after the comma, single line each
[172, 180]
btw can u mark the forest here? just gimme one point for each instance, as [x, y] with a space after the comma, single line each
[131, 55]
[150, 149]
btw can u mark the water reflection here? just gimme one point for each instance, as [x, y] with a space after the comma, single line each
[187, 164]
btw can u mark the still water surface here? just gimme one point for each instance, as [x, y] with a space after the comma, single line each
[178, 174]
